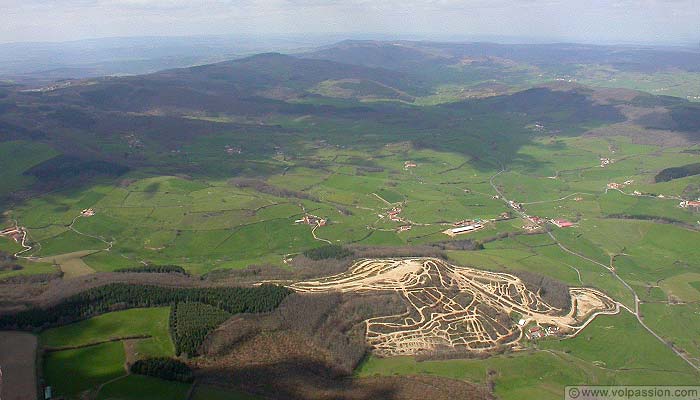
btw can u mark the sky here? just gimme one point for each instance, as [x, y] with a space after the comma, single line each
[591, 21]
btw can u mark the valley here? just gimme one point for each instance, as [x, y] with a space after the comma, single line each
[336, 225]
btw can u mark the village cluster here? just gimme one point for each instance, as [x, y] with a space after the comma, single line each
[537, 331]
[683, 204]
[619, 186]
[16, 233]
[313, 220]
[605, 161]
[231, 150]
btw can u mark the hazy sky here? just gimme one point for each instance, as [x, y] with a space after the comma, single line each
[648, 21]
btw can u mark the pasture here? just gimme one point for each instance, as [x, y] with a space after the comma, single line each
[597, 356]
[72, 372]
[138, 387]
[152, 323]
[393, 193]
[86, 354]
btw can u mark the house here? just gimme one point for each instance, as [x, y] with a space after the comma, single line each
[535, 332]
[562, 223]
[628, 182]
[531, 228]
[505, 215]
[9, 231]
[230, 150]
[535, 220]
[462, 222]
[409, 164]
[613, 185]
[88, 212]
[403, 228]
[552, 330]
[394, 214]
[515, 206]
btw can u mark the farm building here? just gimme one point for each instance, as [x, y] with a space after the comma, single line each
[409, 164]
[562, 223]
[515, 206]
[464, 229]
[403, 228]
[531, 228]
[689, 203]
[605, 161]
[463, 222]
[613, 185]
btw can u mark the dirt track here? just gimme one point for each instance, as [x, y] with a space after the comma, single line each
[17, 360]
[455, 307]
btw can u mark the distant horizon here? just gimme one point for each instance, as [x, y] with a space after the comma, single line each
[649, 22]
[333, 38]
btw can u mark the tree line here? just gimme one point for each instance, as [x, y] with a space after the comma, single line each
[163, 368]
[672, 173]
[153, 268]
[119, 296]
[328, 251]
[190, 323]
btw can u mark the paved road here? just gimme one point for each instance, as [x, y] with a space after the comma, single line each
[611, 269]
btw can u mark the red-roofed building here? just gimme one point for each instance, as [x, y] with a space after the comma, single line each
[690, 203]
[535, 220]
[562, 223]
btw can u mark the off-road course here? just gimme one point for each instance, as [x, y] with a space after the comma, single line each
[451, 307]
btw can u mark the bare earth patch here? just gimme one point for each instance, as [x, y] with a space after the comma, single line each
[17, 360]
[451, 307]
[72, 264]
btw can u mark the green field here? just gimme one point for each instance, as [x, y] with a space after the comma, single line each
[137, 387]
[597, 356]
[350, 152]
[151, 322]
[71, 372]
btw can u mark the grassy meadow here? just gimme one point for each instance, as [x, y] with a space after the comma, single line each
[241, 211]
[97, 355]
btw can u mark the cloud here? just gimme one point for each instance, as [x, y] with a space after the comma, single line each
[586, 20]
